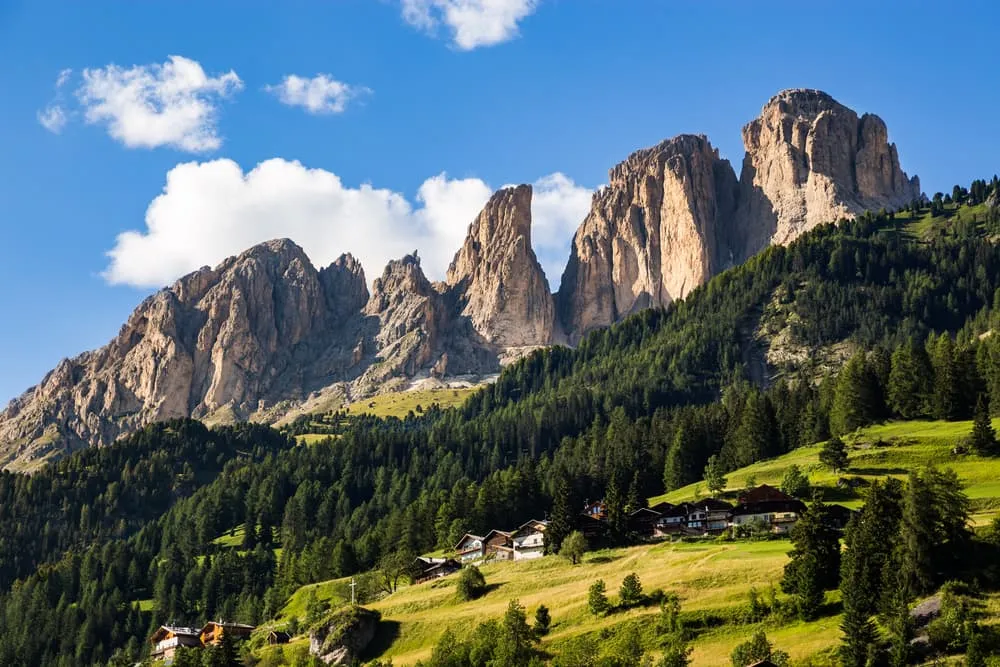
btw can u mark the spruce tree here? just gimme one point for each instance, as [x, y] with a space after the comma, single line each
[562, 519]
[834, 454]
[715, 478]
[945, 399]
[857, 399]
[908, 382]
[983, 439]
[615, 503]
[917, 539]
[815, 561]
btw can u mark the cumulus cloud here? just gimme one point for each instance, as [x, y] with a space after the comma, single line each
[472, 23]
[211, 210]
[53, 118]
[322, 94]
[145, 106]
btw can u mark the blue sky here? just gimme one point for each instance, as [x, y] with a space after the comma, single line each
[432, 109]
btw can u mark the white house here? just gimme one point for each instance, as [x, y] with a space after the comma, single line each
[469, 548]
[529, 540]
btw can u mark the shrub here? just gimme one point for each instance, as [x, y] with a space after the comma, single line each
[471, 583]
[542, 621]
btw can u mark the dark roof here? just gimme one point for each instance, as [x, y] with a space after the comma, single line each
[711, 504]
[764, 493]
[677, 510]
[660, 508]
[645, 510]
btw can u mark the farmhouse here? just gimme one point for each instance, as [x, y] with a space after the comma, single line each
[498, 545]
[168, 638]
[529, 540]
[642, 522]
[427, 569]
[214, 631]
[768, 506]
[469, 548]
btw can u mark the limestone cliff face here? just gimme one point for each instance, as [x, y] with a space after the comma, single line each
[657, 231]
[223, 340]
[496, 278]
[811, 160]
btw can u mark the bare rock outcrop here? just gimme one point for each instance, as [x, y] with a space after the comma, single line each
[657, 231]
[811, 160]
[496, 278]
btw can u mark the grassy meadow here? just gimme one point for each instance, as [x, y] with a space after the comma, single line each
[713, 577]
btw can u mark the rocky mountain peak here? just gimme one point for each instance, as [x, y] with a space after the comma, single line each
[496, 278]
[654, 233]
[810, 160]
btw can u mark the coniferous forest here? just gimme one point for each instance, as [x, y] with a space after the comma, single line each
[105, 545]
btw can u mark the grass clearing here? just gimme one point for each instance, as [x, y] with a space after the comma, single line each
[401, 403]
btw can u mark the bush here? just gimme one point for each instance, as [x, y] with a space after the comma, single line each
[471, 583]
[795, 482]
[758, 648]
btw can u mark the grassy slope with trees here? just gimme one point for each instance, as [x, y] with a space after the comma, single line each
[632, 412]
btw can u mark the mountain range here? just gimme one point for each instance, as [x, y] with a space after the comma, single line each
[266, 334]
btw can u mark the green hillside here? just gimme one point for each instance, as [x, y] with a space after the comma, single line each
[712, 577]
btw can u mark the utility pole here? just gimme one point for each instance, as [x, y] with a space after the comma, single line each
[354, 585]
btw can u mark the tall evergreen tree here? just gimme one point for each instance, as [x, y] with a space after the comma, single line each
[945, 402]
[908, 381]
[857, 399]
[983, 438]
[562, 521]
[815, 559]
[614, 501]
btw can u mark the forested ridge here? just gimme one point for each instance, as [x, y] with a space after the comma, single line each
[635, 409]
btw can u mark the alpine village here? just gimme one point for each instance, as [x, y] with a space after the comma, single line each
[754, 425]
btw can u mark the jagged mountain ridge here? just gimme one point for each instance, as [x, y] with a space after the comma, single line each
[266, 331]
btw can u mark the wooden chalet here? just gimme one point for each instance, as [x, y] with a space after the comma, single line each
[529, 540]
[770, 506]
[498, 545]
[708, 516]
[642, 522]
[275, 637]
[214, 631]
[469, 548]
[598, 510]
[427, 569]
[591, 527]
[672, 521]
[168, 638]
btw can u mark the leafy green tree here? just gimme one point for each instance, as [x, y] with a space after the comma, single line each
[471, 583]
[676, 652]
[834, 455]
[630, 592]
[573, 547]
[669, 621]
[597, 599]
[542, 621]
[983, 438]
[795, 483]
[756, 649]
[715, 476]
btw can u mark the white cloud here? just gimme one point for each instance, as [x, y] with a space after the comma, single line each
[322, 94]
[63, 77]
[52, 118]
[211, 210]
[473, 23]
[146, 106]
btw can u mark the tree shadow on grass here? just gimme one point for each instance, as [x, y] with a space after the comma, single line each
[878, 472]
[386, 633]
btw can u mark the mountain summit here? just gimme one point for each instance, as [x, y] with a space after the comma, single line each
[265, 333]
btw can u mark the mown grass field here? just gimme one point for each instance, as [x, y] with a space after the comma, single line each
[711, 577]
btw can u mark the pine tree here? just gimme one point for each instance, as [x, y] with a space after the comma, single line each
[756, 435]
[945, 399]
[857, 399]
[597, 599]
[815, 561]
[678, 468]
[630, 592]
[917, 538]
[983, 439]
[908, 382]
[834, 454]
[616, 519]
[562, 519]
[715, 478]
